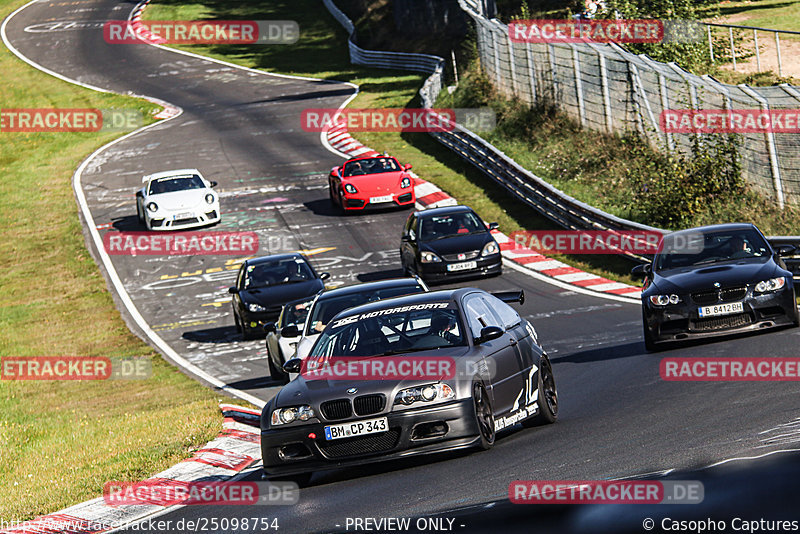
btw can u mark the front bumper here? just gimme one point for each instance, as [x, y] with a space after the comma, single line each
[290, 450]
[255, 321]
[485, 266]
[164, 221]
[358, 202]
[682, 321]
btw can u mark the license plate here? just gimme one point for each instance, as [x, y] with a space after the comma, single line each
[720, 309]
[182, 216]
[380, 200]
[463, 266]
[356, 428]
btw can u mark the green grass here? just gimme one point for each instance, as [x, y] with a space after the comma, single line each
[321, 52]
[773, 14]
[61, 441]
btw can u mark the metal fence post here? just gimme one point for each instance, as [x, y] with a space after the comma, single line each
[606, 94]
[531, 72]
[553, 76]
[778, 50]
[511, 64]
[576, 69]
[733, 50]
[758, 55]
[662, 87]
[496, 54]
[771, 147]
[710, 44]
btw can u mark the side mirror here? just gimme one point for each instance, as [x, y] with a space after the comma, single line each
[642, 269]
[786, 250]
[404, 238]
[293, 366]
[324, 276]
[290, 331]
[494, 226]
[269, 327]
[214, 184]
[407, 166]
[232, 290]
[489, 333]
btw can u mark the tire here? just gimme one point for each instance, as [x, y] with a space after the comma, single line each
[547, 399]
[238, 324]
[276, 374]
[484, 417]
[649, 344]
[140, 214]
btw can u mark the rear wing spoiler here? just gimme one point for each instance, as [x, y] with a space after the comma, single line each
[511, 296]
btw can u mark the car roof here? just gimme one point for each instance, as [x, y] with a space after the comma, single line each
[717, 228]
[275, 257]
[369, 286]
[376, 156]
[446, 210]
[416, 298]
[167, 174]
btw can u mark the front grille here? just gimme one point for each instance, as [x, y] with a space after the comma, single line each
[472, 254]
[340, 448]
[155, 223]
[369, 404]
[336, 409]
[212, 214]
[188, 220]
[720, 323]
[404, 198]
[719, 295]
[354, 203]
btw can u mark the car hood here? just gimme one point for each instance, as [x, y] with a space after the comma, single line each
[459, 243]
[704, 277]
[281, 294]
[310, 391]
[177, 200]
[384, 183]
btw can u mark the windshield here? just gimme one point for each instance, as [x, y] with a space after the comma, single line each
[176, 183]
[327, 307]
[404, 329]
[273, 273]
[295, 313]
[440, 227]
[371, 166]
[690, 250]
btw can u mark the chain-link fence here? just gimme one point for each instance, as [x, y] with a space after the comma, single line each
[607, 88]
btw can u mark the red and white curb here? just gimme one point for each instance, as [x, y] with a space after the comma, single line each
[234, 449]
[430, 196]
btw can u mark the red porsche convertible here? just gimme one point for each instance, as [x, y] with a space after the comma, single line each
[371, 182]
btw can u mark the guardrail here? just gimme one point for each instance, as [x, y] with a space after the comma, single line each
[534, 191]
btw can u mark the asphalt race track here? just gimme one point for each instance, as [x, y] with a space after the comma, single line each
[242, 129]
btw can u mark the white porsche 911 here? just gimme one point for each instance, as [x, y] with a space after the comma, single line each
[179, 199]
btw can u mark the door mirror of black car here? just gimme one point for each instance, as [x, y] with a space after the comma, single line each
[494, 226]
[290, 331]
[269, 327]
[293, 366]
[232, 290]
[489, 333]
[324, 276]
[786, 250]
[642, 269]
[214, 184]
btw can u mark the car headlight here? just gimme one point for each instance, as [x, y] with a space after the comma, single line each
[773, 284]
[350, 188]
[490, 249]
[425, 393]
[210, 198]
[253, 307]
[406, 182]
[663, 300]
[284, 416]
[152, 206]
[428, 257]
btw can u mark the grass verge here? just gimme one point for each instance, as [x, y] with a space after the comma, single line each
[321, 52]
[61, 441]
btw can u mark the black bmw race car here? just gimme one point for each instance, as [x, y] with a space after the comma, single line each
[715, 280]
[496, 376]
